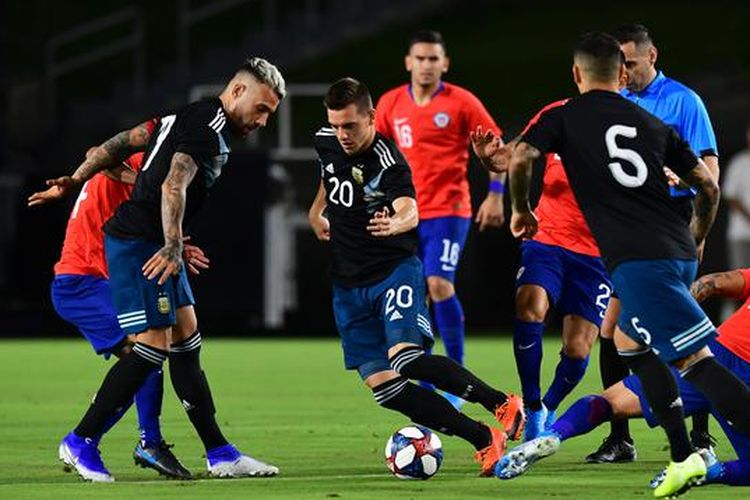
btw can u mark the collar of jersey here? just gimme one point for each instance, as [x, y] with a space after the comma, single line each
[651, 88]
[440, 88]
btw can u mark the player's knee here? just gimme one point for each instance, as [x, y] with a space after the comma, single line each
[578, 346]
[159, 338]
[623, 402]
[376, 379]
[440, 288]
[685, 363]
[402, 361]
[531, 304]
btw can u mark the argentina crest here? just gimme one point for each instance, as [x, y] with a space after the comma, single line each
[357, 174]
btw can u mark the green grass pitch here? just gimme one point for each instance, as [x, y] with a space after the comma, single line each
[291, 403]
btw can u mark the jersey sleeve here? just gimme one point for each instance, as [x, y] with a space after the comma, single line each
[381, 117]
[696, 127]
[477, 114]
[195, 137]
[546, 133]
[397, 182]
[541, 111]
[746, 289]
[679, 157]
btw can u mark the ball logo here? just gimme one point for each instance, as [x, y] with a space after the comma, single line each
[441, 120]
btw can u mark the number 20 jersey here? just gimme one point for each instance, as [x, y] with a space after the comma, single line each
[356, 187]
[613, 153]
[200, 130]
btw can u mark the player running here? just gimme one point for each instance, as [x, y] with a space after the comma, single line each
[560, 266]
[366, 208]
[81, 295]
[682, 109]
[430, 121]
[626, 399]
[144, 243]
[649, 250]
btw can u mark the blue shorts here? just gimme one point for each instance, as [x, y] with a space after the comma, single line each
[86, 302]
[576, 283]
[657, 308]
[141, 303]
[441, 242]
[695, 402]
[372, 319]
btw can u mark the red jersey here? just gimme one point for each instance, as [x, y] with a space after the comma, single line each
[434, 138]
[561, 221]
[83, 249]
[734, 333]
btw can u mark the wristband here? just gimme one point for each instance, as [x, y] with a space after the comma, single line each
[497, 187]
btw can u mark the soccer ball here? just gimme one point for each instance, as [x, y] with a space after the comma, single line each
[414, 452]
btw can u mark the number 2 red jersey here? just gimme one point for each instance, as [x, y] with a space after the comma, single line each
[83, 249]
[434, 138]
[561, 222]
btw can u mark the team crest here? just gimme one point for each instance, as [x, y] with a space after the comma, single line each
[441, 120]
[357, 174]
[162, 304]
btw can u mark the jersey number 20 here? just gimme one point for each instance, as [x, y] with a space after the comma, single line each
[616, 152]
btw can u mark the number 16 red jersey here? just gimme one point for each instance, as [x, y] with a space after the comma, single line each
[434, 138]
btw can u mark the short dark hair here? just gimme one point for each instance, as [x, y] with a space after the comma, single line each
[599, 54]
[633, 32]
[426, 36]
[348, 91]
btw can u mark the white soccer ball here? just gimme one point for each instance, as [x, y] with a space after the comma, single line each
[414, 452]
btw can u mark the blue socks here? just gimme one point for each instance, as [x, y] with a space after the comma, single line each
[585, 415]
[449, 319]
[735, 473]
[148, 402]
[527, 348]
[569, 372]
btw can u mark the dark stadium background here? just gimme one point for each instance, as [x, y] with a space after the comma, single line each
[513, 55]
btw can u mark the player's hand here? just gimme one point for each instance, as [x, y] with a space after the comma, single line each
[41, 197]
[703, 288]
[166, 262]
[523, 224]
[381, 224]
[488, 147]
[194, 257]
[674, 180]
[491, 212]
[321, 227]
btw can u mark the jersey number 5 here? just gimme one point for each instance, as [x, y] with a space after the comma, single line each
[616, 152]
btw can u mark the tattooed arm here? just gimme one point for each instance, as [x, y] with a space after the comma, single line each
[706, 200]
[523, 223]
[726, 284]
[168, 260]
[109, 154]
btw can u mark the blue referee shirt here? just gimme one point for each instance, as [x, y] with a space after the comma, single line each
[681, 108]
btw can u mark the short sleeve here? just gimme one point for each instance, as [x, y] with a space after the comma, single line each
[541, 111]
[196, 138]
[696, 126]
[679, 156]
[477, 114]
[546, 133]
[397, 182]
[746, 289]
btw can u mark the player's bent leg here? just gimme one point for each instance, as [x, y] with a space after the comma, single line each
[579, 335]
[412, 362]
[727, 393]
[394, 392]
